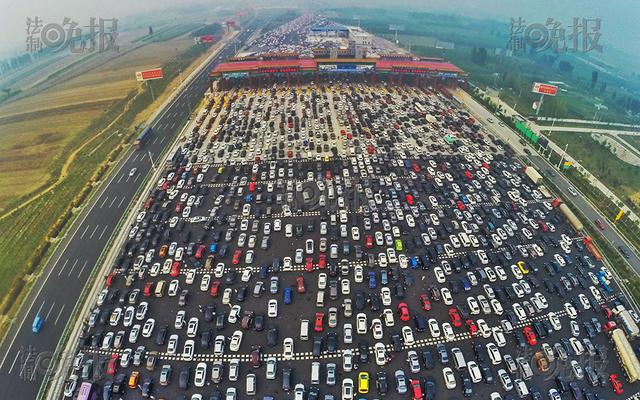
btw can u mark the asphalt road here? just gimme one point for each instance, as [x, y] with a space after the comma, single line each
[25, 355]
[559, 180]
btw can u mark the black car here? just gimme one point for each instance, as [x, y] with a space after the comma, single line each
[272, 336]
[119, 383]
[317, 346]
[147, 387]
[161, 335]
[382, 383]
[184, 378]
[363, 346]
[286, 379]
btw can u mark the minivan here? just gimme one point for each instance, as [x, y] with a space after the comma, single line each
[315, 373]
[160, 287]
[458, 358]
[320, 298]
[304, 329]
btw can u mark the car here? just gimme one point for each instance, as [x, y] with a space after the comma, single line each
[449, 378]
[616, 384]
[401, 382]
[403, 312]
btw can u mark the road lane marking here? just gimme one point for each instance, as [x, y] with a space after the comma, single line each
[59, 314]
[83, 266]
[135, 180]
[94, 231]
[154, 140]
[85, 231]
[49, 312]
[104, 201]
[73, 267]
[136, 157]
[112, 201]
[119, 179]
[14, 360]
[162, 140]
[121, 201]
[63, 267]
[103, 231]
[127, 180]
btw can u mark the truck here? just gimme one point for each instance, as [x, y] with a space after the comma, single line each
[626, 355]
[588, 242]
[142, 137]
[531, 172]
[573, 220]
[625, 319]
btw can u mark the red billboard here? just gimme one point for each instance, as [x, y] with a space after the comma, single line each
[155, 73]
[206, 39]
[544, 88]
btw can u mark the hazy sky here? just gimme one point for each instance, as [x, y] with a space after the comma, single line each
[619, 17]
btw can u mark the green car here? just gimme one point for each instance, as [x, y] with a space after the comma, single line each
[398, 244]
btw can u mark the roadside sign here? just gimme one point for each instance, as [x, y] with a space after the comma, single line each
[155, 73]
[544, 88]
[619, 214]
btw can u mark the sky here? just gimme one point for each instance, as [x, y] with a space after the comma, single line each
[619, 18]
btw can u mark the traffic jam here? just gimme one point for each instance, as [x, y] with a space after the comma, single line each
[348, 241]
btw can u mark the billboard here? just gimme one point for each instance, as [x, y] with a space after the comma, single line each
[235, 75]
[394, 27]
[206, 39]
[345, 68]
[544, 88]
[149, 74]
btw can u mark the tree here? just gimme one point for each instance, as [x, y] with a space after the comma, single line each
[594, 79]
[150, 30]
[603, 87]
[565, 67]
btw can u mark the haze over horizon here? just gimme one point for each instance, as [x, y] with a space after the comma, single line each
[618, 29]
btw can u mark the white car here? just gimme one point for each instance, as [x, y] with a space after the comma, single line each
[571, 311]
[380, 354]
[236, 341]
[407, 335]
[498, 336]
[358, 274]
[376, 328]
[434, 328]
[322, 280]
[449, 378]
[385, 294]
[288, 348]
[555, 321]
[347, 332]
[272, 308]
[200, 375]
[361, 323]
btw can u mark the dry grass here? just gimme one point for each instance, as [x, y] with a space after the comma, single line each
[34, 130]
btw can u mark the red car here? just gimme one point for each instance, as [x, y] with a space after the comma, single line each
[460, 205]
[608, 314]
[403, 311]
[530, 336]
[112, 365]
[179, 206]
[236, 257]
[318, 325]
[110, 279]
[148, 289]
[322, 261]
[252, 186]
[327, 174]
[455, 318]
[308, 264]
[616, 384]
[215, 289]
[471, 327]
[409, 199]
[200, 252]
[600, 224]
[416, 389]
[415, 167]
[368, 241]
[175, 269]
[300, 281]
[424, 301]
[609, 326]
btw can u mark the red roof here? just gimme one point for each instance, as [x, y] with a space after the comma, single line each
[428, 65]
[248, 66]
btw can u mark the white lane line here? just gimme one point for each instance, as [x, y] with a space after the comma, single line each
[14, 360]
[104, 201]
[112, 201]
[122, 201]
[162, 140]
[135, 180]
[85, 231]
[49, 312]
[172, 125]
[103, 231]
[73, 267]
[154, 140]
[59, 314]
[119, 179]
[94, 231]
[136, 157]
[24, 365]
[63, 267]
[127, 180]
[40, 309]
[82, 270]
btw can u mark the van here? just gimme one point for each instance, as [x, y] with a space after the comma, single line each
[251, 384]
[458, 358]
[315, 373]
[320, 298]
[304, 329]
[524, 368]
[159, 292]
[521, 388]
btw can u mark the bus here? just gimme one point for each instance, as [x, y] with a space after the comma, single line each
[603, 281]
[626, 320]
[142, 137]
[37, 323]
[88, 391]
[626, 355]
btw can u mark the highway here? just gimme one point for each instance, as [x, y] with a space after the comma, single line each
[510, 137]
[25, 355]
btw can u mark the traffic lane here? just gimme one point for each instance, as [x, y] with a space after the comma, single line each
[610, 233]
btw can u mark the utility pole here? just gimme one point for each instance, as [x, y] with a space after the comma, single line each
[563, 155]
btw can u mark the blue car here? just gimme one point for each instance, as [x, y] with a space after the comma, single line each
[214, 247]
[287, 295]
[37, 323]
[384, 277]
[248, 198]
[372, 280]
[413, 261]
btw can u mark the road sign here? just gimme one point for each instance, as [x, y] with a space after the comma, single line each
[149, 74]
[619, 214]
[394, 27]
[544, 88]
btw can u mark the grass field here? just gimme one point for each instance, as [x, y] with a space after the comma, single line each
[36, 129]
[622, 178]
[632, 140]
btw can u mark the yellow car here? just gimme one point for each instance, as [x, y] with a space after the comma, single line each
[523, 268]
[363, 382]
[398, 245]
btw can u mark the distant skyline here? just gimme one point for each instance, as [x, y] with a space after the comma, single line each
[619, 27]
